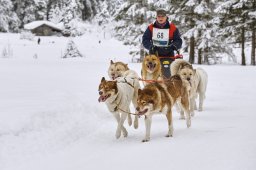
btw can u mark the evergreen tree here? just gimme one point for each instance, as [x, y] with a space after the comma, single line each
[71, 50]
[184, 14]
[8, 19]
[69, 15]
[206, 32]
[129, 19]
[89, 9]
[234, 22]
[252, 16]
[204, 38]
[48, 8]
[209, 46]
[56, 15]
[198, 24]
[41, 9]
[25, 10]
[108, 9]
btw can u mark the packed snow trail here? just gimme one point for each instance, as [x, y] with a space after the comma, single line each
[50, 118]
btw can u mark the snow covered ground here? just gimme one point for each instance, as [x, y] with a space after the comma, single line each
[50, 118]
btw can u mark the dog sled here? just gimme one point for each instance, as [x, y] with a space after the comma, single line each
[166, 63]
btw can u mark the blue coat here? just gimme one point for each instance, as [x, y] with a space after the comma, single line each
[175, 41]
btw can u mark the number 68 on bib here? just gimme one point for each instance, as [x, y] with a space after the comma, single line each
[160, 37]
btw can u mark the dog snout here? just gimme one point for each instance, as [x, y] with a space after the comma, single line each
[137, 108]
[100, 92]
[188, 79]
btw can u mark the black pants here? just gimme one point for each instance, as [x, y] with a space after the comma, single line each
[166, 67]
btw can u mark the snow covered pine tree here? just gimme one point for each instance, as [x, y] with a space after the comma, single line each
[71, 50]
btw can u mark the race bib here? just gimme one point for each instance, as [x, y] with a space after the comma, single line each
[160, 37]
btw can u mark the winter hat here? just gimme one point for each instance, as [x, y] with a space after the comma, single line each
[161, 12]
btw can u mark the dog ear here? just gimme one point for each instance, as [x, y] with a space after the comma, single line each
[180, 67]
[103, 79]
[183, 65]
[156, 53]
[189, 66]
[126, 65]
[111, 62]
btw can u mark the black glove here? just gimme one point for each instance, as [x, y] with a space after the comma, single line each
[152, 50]
[174, 47]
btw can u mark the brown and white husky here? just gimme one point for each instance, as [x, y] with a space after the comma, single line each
[160, 97]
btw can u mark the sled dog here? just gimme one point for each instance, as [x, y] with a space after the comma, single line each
[151, 68]
[116, 69]
[118, 96]
[160, 97]
[197, 79]
[120, 69]
[201, 78]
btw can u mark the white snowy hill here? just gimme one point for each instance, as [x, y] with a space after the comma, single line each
[50, 118]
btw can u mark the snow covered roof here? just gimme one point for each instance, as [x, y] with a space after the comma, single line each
[36, 24]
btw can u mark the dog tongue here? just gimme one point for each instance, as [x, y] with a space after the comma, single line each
[142, 112]
[151, 67]
[101, 99]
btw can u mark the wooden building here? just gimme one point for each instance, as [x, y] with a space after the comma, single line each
[43, 28]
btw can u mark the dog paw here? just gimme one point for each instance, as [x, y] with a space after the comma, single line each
[118, 134]
[188, 123]
[193, 114]
[168, 135]
[145, 140]
[136, 124]
[125, 133]
[129, 122]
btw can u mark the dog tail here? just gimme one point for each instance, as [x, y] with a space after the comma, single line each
[175, 77]
[175, 66]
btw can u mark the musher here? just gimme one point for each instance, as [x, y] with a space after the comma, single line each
[162, 38]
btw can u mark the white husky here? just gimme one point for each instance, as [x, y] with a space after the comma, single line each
[197, 79]
[201, 78]
[119, 71]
